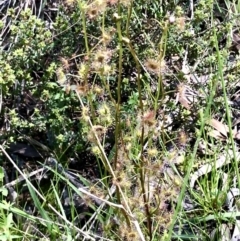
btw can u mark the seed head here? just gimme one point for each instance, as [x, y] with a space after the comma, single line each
[103, 56]
[123, 231]
[94, 9]
[98, 90]
[132, 236]
[149, 118]
[64, 62]
[106, 70]
[85, 114]
[61, 77]
[139, 133]
[104, 110]
[182, 139]
[100, 62]
[96, 151]
[154, 66]
[106, 38]
[121, 180]
[98, 131]
[92, 12]
[87, 200]
[128, 146]
[83, 71]
[96, 191]
[152, 152]
[82, 89]
[106, 120]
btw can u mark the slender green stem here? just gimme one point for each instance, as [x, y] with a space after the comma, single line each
[162, 51]
[128, 19]
[142, 168]
[142, 172]
[106, 85]
[80, 4]
[118, 104]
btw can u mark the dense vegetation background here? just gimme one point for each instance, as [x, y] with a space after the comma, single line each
[119, 120]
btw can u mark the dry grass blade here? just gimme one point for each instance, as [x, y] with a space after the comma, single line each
[220, 127]
[185, 103]
[20, 179]
[217, 135]
[181, 98]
